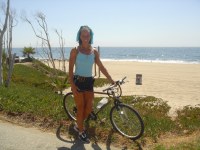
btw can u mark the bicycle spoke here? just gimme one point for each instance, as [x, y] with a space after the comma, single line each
[129, 120]
[126, 121]
[70, 106]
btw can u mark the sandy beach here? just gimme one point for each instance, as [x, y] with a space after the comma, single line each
[178, 84]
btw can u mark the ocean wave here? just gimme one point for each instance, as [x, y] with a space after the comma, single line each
[175, 55]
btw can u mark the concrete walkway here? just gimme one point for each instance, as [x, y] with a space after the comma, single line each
[15, 137]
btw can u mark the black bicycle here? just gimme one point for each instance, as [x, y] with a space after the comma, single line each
[124, 118]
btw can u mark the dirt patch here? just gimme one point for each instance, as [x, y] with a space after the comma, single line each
[172, 140]
[26, 63]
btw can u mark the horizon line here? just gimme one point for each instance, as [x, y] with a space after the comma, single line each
[123, 46]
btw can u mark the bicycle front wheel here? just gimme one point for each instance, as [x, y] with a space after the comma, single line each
[127, 121]
[70, 106]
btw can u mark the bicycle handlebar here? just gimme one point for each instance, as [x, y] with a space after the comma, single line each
[120, 82]
[117, 83]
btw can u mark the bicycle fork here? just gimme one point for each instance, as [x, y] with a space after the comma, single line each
[121, 111]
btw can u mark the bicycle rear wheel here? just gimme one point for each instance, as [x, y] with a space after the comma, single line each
[127, 121]
[70, 106]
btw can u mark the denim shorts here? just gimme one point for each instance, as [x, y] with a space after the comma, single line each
[84, 83]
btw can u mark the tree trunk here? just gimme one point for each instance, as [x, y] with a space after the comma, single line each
[9, 48]
[2, 31]
[11, 64]
[1, 63]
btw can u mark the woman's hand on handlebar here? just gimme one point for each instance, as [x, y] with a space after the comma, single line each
[112, 82]
[115, 83]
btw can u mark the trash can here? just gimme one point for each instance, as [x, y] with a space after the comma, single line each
[138, 79]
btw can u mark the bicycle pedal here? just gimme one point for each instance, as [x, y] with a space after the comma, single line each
[93, 116]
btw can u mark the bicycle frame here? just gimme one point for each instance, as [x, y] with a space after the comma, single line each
[116, 103]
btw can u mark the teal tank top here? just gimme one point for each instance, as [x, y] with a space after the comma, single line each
[84, 64]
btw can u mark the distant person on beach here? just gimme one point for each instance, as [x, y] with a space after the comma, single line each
[83, 57]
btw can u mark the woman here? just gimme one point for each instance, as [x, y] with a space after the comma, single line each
[83, 57]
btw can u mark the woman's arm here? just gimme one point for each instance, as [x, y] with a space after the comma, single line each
[72, 60]
[102, 68]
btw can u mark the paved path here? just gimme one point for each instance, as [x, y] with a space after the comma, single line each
[15, 137]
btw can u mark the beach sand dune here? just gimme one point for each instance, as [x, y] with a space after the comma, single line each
[178, 84]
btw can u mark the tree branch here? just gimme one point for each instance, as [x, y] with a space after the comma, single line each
[6, 20]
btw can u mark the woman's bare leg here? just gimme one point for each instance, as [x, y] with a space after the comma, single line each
[88, 98]
[80, 104]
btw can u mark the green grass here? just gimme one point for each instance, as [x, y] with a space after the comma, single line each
[28, 75]
[21, 98]
[189, 118]
[45, 69]
[99, 82]
[192, 145]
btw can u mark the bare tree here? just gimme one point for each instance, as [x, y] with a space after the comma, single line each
[58, 82]
[2, 32]
[62, 50]
[41, 20]
[11, 57]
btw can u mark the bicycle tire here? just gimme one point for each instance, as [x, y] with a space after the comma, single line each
[70, 106]
[127, 121]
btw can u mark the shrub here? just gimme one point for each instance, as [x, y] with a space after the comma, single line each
[189, 118]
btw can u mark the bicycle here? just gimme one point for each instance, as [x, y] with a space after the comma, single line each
[124, 118]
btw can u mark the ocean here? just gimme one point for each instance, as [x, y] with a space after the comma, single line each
[181, 55]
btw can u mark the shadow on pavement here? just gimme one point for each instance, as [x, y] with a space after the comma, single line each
[92, 134]
[63, 148]
[77, 144]
[61, 137]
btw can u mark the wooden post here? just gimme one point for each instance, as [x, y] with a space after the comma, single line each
[98, 67]
[95, 69]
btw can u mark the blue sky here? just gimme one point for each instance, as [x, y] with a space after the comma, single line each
[142, 23]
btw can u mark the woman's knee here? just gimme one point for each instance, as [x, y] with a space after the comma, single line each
[79, 100]
[89, 108]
